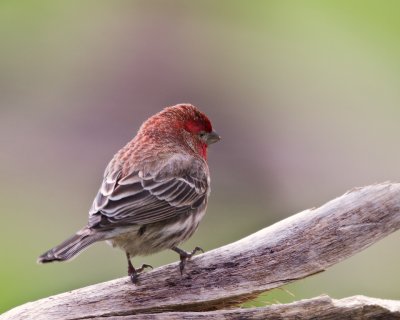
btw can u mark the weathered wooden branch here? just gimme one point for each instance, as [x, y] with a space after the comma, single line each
[294, 248]
[321, 308]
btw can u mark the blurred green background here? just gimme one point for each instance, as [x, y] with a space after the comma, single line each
[304, 93]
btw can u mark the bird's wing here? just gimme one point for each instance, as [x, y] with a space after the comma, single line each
[141, 197]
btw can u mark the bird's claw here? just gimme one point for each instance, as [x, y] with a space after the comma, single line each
[195, 250]
[134, 273]
[185, 256]
[143, 267]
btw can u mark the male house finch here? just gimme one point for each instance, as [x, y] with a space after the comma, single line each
[154, 191]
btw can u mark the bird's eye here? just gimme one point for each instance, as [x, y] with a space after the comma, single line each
[202, 134]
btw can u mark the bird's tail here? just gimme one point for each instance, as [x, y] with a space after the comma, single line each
[72, 246]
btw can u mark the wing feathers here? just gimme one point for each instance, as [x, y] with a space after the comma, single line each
[140, 198]
[123, 191]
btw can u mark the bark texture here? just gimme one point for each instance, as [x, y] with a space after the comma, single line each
[321, 308]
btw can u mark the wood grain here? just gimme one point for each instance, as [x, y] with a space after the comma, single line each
[321, 308]
[294, 248]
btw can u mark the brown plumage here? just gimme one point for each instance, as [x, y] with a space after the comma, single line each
[154, 191]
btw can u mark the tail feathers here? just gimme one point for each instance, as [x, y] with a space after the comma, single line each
[70, 247]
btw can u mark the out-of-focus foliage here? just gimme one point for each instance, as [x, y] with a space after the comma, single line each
[304, 93]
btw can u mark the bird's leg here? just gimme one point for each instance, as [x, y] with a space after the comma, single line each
[185, 256]
[132, 272]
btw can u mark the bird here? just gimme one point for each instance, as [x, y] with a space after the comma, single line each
[154, 191]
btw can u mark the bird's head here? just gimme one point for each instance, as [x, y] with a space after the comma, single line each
[182, 123]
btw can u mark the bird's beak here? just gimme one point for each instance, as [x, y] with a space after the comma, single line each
[212, 137]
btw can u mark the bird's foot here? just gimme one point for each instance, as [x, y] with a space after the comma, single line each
[185, 256]
[134, 273]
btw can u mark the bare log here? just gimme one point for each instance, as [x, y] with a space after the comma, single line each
[321, 308]
[294, 248]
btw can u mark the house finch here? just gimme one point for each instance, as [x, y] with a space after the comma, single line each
[154, 191]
